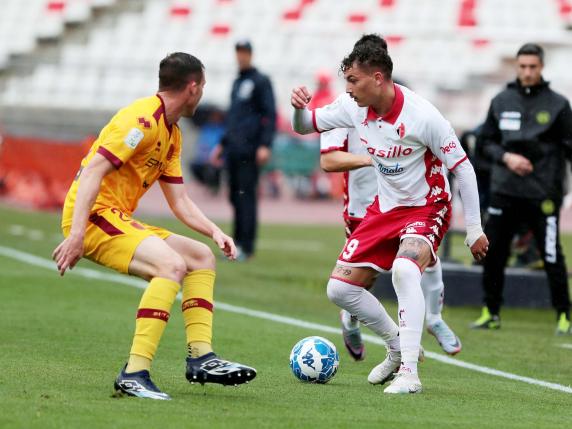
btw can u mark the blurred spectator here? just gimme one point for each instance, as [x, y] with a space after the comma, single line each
[323, 93]
[246, 144]
[527, 136]
[211, 130]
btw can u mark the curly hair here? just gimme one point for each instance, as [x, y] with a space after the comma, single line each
[373, 38]
[369, 56]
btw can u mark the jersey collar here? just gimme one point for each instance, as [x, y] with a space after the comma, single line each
[161, 111]
[393, 113]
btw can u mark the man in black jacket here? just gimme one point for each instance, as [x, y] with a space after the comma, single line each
[246, 144]
[527, 135]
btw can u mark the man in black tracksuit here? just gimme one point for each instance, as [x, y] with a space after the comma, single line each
[246, 145]
[528, 136]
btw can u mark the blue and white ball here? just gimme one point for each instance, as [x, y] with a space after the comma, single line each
[314, 360]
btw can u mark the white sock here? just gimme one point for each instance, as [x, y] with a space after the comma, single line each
[350, 322]
[407, 283]
[434, 291]
[369, 311]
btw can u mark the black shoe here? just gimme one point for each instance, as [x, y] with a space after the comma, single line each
[137, 384]
[210, 369]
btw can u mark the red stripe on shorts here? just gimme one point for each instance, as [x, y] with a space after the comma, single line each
[104, 225]
[153, 313]
[197, 302]
[348, 281]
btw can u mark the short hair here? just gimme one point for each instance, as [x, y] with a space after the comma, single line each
[372, 38]
[531, 49]
[369, 56]
[176, 70]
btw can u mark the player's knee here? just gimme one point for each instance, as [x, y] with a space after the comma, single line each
[172, 267]
[340, 292]
[403, 269]
[205, 258]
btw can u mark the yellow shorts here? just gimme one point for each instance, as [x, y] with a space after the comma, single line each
[112, 237]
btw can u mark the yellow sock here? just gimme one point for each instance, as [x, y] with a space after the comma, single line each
[152, 317]
[197, 309]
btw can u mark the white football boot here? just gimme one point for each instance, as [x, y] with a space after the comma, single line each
[449, 342]
[404, 383]
[387, 369]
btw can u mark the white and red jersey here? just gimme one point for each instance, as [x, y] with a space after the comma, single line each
[410, 145]
[360, 185]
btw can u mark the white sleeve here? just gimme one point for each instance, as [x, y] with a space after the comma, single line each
[335, 139]
[468, 189]
[441, 139]
[334, 115]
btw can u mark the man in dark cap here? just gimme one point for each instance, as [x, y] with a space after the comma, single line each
[246, 144]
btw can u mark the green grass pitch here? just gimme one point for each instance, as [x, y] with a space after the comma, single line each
[63, 340]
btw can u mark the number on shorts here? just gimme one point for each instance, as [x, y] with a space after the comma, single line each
[350, 248]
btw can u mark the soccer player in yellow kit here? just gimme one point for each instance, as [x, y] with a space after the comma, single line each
[140, 145]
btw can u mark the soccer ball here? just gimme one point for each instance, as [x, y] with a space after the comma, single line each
[314, 360]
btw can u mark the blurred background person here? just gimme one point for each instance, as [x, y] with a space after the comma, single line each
[527, 135]
[246, 144]
[210, 124]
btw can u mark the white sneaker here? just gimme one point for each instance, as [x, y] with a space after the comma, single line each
[404, 383]
[449, 342]
[387, 369]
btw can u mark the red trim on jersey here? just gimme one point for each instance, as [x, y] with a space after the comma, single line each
[110, 157]
[314, 122]
[162, 111]
[153, 313]
[434, 180]
[412, 260]
[105, 225]
[394, 111]
[197, 302]
[171, 179]
[330, 149]
[348, 281]
[457, 164]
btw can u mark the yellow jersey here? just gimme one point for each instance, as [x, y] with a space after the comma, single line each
[142, 146]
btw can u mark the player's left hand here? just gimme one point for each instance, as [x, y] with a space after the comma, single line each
[480, 248]
[263, 154]
[68, 253]
[225, 243]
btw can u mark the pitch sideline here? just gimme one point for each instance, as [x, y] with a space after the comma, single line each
[140, 284]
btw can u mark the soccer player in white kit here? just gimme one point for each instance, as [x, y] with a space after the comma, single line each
[410, 144]
[342, 151]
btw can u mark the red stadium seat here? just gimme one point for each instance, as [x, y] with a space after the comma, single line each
[180, 11]
[220, 29]
[357, 18]
[56, 6]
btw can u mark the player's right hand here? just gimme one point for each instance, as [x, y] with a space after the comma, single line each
[518, 164]
[300, 97]
[480, 248]
[68, 253]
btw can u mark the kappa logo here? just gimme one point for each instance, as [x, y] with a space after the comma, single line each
[144, 122]
[435, 229]
[411, 230]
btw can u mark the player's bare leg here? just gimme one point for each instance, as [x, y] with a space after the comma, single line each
[203, 365]
[347, 288]
[413, 256]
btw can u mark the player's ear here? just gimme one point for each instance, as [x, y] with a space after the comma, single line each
[378, 77]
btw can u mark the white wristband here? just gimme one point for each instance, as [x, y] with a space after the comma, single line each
[474, 232]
